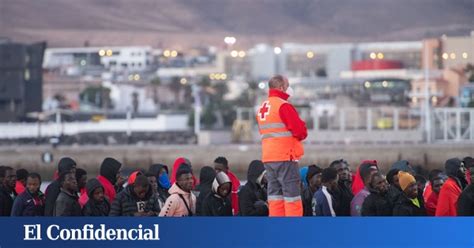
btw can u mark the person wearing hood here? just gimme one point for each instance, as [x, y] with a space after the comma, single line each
[181, 201]
[81, 178]
[304, 183]
[97, 205]
[206, 177]
[429, 189]
[137, 199]
[377, 203]
[163, 182]
[343, 193]
[452, 188]
[218, 203]
[177, 163]
[358, 182]
[313, 177]
[31, 201]
[65, 165]
[221, 164]
[323, 201]
[7, 190]
[465, 206]
[67, 203]
[409, 203]
[468, 163]
[21, 176]
[253, 195]
[154, 187]
[108, 174]
[436, 182]
[366, 170]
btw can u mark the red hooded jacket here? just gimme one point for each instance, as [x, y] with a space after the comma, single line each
[109, 189]
[235, 189]
[448, 198]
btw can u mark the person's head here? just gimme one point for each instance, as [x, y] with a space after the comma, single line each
[152, 180]
[66, 164]
[329, 178]
[279, 82]
[161, 173]
[314, 177]
[408, 184]
[81, 178]
[95, 190]
[221, 164]
[342, 168]
[184, 178]
[141, 186]
[392, 178]
[366, 170]
[455, 168]
[256, 173]
[221, 185]
[207, 175]
[133, 177]
[420, 183]
[403, 165]
[379, 183]
[110, 169]
[1, 174]
[21, 176]
[469, 164]
[33, 182]
[9, 177]
[68, 182]
[436, 179]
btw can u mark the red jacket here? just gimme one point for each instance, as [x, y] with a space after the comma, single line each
[290, 117]
[448, 198]
[427, 192]
[19, 188]
[431, 204]
[235, 189]
[109, 189]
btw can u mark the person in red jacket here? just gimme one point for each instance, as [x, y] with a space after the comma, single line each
[451, 190]
[436, 182]
[221, 164]
[109, 172]
[21, 176]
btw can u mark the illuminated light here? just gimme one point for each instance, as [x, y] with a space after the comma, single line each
[130, 77]
[367, 84]
[167, 53]
[380, 55]
[385, 84]
[223, 76]
[230, 40]
[445, 56]
[174, 53]
[102, 53]
[261, 85]
[452, 56]
[241, 54]
[217, 76]
[310, 55]
[183, 81]
[373, 55]
[136, 77]
[277, 50]
[414, 99]
[234, 54]
[434, 100]
[464, 55]
[83, 62]
[109, 52]
[212, 76]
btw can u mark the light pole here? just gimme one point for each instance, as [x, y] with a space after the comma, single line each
[427, 96]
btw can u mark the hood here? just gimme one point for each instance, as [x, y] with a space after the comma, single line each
[175, 189]
[133, 177]
[358, 183]
[109, 169]
[220, 179]
[256, 169]
[452, 166]
[207, 175]
[390, 175]
[303, 173]
[66, 164]
[403, 165]
[91, 185]
[176, 165]
[156, 168]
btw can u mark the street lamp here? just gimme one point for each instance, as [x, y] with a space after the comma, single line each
[277, 50]
[230, 40]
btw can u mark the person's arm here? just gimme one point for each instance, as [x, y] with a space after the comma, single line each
[290, 117]
[444, 201]
[170, 206]
[18, 207]
[116, 207]
[464, 205]
[61, 208]
[246, 204]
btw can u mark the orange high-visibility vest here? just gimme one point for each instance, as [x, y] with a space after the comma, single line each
[278, 144]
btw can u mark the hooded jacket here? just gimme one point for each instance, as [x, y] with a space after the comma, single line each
[108, 177]
[162, 192]
[451, 190]
[27, 204]
[206, 177]
[92, 207]
[376, 204]
[7, 198]
[67, 205]
[53, 189]
[432, 204]
[405, 207]
[252, 196]
[466, 202]
[177, 163]
[127, 203]
[234, 196]
[175, 206]
[215, 204]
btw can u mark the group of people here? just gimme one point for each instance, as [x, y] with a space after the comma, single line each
[331, 191]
